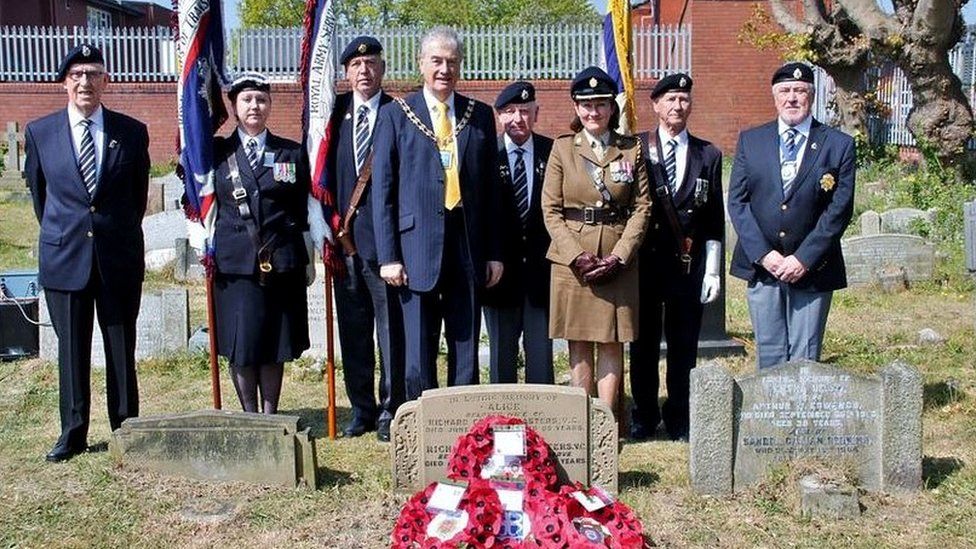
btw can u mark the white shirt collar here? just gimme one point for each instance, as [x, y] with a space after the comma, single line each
[803, 127]
[510, 145]
[433, 101]
[261, 137]
[75, 116]
[664, 136]
[373, 102]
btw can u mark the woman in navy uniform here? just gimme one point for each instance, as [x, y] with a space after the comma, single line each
[262, 250]
[595, 202]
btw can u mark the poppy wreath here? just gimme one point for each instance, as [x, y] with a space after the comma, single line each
[480, 502]
[475, 447]
[614, 525]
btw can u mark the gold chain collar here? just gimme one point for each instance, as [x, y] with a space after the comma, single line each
[412, 116]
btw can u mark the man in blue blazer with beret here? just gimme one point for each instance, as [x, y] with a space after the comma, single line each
[435, 214]
[88, 171]
[791, 196]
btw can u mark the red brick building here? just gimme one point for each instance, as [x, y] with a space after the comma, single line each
[83, 13]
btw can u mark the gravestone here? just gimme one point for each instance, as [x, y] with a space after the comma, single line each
[867, 257]
[316, 318]
[714, 340]
[581, 431]
[164, 193]
[162, 327]
[901, 220]
[219, 445]
[741, 427]
[870, 223]
[162, 229]
[187, 265]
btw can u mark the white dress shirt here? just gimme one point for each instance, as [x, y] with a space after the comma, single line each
[261, 138]
[804, 129]
[527, 157]
[680, 154]
[97, 130]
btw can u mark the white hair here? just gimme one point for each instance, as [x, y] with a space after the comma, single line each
[445, 36]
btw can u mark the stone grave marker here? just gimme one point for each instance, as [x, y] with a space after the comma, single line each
[900, 220]
[162, 229]
[219, 445]
[870, 223]
[581, 431]
[867, 257]
[741, 427]
[162, 327]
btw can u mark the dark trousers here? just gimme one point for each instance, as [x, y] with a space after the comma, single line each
[505, 324]
[452, 301]
[680, 316]
[365, 301]
[72, 314]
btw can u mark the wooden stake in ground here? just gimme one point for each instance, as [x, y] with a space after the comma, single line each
[329, 357]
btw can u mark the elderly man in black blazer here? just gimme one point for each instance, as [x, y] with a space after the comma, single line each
[790, 199]
[88, 171]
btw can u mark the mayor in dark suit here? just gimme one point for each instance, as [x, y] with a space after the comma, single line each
[790, 199]
[519, 304]
[363, 299]
[88, 171]
[679, 259]
[436, 213]
[262, 250]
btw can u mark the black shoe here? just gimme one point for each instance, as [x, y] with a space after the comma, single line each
[640, 430]
[63, 453]
[383, 430]
[358, 427]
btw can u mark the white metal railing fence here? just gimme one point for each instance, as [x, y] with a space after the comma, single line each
[32, 54]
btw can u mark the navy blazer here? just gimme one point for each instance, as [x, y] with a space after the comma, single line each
[524, 248]
[702, 220]
[341, 173]
[75, 230]
[408, 190]
[808, 221]
[280, 208]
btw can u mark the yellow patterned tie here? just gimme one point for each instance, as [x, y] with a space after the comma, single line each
[445, 142]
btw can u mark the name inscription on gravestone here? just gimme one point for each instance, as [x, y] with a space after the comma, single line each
[866, 256]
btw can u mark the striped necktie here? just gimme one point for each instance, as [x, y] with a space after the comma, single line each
[252, 153]
[792, 140]
[86, 158]
[671, 165]
[521, 184]
[364, 139]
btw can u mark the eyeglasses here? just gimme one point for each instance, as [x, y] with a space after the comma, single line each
[77, 75]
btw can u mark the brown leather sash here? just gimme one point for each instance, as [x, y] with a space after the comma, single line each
[345, 229]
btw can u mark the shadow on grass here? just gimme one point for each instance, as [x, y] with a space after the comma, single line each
[637, 479]
[329, 478]
[936, 469]
[314, 419]
[937, 395]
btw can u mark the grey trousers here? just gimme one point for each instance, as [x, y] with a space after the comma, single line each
[788, 323]
[505, 324]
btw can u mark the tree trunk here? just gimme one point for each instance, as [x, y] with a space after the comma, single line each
[941, 117]
[850, 104]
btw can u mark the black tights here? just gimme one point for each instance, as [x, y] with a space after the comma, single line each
[267, 378]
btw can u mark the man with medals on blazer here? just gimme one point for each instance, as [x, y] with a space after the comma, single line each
[679, 262]
[519, 304]
[363, 299]
[436, 214]
[790, 199]
[88, 171]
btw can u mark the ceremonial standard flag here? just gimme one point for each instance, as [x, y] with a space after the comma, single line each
[200, 105]
[617, 45]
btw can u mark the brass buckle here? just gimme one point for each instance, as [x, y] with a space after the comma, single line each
[265, 266]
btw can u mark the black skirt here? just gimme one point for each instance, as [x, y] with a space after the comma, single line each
[258, 325]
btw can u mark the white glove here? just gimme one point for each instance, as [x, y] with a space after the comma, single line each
[712, 283]
[310, 268]
[196, 233]
[318, 228]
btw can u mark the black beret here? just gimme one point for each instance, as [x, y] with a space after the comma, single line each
[248, 81]
[593, 83]
[672, 82]
[793, 72]
[516, 92]
[82, 53]
[361, 45]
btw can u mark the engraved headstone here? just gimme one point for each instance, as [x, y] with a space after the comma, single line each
[581, 431]
[161, 328]
[162, 229]
[870, 223]
[867, 257]
[903, 220]
[219, 445]
[316, 318]
[742, 427]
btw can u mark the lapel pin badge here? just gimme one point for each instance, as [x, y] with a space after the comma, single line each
[813, 146]
[112, 144]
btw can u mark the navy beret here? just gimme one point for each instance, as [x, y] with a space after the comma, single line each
[793, 72]
[82, 53]
[593, 83]
[672, 82]
[248, 81]
[361, 45]
[516, 92]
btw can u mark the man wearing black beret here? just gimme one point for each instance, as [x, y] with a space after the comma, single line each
[88, 171]
[790, 200]
[679, 262]
[519, 304]
[363, 300]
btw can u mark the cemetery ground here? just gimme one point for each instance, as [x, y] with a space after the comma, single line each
[91, 502]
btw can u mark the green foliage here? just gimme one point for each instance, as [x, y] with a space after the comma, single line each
[271, 13]
[763, 33]
[369, 13]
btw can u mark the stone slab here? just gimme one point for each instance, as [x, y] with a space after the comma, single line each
[867, 257]
[581, 431]
[161, 328]
[162, 229]
[219, 445]
[825, 500]
[901, 220]
[870, 222]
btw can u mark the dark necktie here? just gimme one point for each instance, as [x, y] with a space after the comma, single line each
[671, 164]
[364, 140]
[520, 182]
[791, 146]
[252, 153]
[86, 158]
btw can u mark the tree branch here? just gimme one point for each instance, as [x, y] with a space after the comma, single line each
[866, 14]
[787, 20]
[935, 19]
[813, 12]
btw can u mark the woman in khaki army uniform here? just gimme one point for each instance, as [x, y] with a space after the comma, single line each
[596, 202]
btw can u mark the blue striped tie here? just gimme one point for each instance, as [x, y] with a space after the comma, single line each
[671, 165]
[252, 153]
[521, 185]
[364, 140]
[86, 158]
